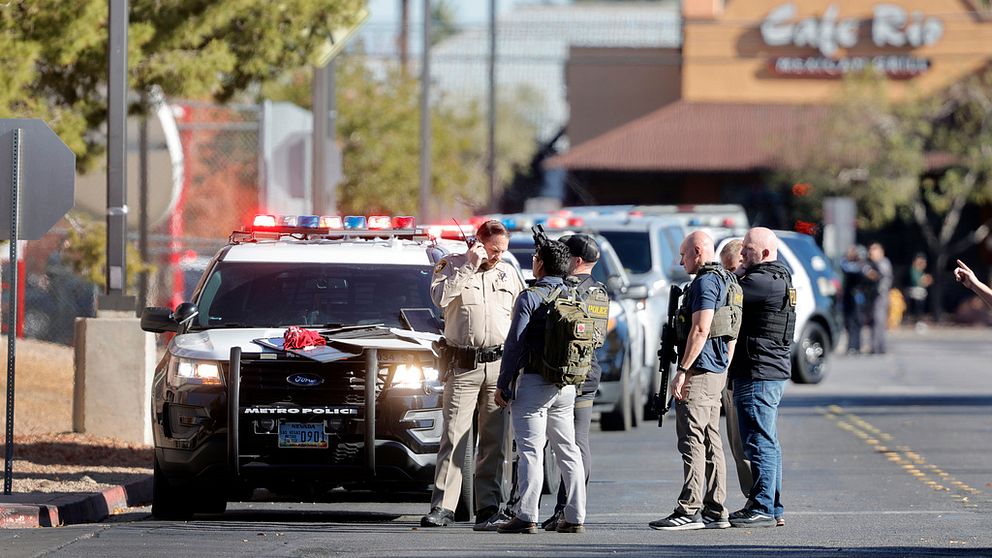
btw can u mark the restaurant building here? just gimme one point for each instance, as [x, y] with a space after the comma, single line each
[709, 122]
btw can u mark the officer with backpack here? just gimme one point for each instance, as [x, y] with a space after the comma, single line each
[707, 325]
[585, 254]
[547, 352]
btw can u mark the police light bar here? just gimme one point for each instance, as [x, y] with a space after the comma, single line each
[404, 222]
[264, 221]
[331, 222]
[354, 222]
[378, 222]
[308, 221]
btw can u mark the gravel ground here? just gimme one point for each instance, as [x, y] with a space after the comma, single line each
[48, 457]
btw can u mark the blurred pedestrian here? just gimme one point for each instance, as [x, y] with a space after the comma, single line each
[705, 349]
[854, 299]
[917, 287]
[879, 276]
[964, 275]
[732, 261]
[759, 372]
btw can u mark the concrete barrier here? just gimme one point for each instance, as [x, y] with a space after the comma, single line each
[114, 364]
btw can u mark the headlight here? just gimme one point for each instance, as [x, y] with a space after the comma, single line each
[412, 376]
[183, 371]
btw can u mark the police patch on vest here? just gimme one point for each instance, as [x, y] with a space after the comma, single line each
[598, 311]
[440, 266]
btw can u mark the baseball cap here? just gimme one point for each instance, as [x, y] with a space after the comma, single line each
[581, 246]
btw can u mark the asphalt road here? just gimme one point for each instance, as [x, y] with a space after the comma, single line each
[889, 456]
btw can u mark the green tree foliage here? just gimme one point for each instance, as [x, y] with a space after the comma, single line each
[877, 152]
[86, 251]
[53, 54]
[379, 129]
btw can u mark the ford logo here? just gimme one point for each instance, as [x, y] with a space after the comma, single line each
[305, 380]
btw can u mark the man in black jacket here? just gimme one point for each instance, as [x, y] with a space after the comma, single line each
[759, 370]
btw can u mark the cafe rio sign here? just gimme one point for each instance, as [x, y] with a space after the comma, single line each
[890, 27]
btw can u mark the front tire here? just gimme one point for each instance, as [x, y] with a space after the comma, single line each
[810, 354]
[169, 502]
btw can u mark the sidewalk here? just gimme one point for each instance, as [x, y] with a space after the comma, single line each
[53, 509]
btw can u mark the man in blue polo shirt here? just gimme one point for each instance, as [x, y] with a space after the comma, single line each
[704, 354]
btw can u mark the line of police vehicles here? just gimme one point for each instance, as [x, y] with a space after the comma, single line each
[235, 409]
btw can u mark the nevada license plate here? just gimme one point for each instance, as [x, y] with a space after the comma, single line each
[302, 435]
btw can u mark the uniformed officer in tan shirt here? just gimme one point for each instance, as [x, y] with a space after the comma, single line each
[476, 292]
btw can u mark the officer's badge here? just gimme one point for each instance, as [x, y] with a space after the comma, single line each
[792, 297]
[440, 266]
[502, 275]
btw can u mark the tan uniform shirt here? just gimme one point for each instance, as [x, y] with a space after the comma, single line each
[476, 304]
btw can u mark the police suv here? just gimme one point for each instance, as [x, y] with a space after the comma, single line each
[356, 406]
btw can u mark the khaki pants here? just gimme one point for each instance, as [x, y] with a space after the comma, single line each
[697, 420]
[734, 437]
[466, 391]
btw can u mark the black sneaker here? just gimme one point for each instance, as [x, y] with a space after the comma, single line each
[751, 518]
[710, 522]
[678, 522]
[438, 517]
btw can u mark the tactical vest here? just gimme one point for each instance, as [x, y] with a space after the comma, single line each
[597, 302]
[778, 324]
[727, 317]
[569, 339]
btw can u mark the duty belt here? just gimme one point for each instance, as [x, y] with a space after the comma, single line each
[483, 354]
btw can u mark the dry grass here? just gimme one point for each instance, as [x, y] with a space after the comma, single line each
[42, 387]
[48, 457]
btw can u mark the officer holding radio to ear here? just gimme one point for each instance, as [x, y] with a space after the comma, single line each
[476, 291]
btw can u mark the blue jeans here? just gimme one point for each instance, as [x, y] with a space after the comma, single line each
[756, 402]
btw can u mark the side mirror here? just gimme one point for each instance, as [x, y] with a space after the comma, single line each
[637, 292]
[158, 320]
[185, 312]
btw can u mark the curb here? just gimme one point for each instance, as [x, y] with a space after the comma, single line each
[71, 509]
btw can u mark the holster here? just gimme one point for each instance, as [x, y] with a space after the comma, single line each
[445, 355]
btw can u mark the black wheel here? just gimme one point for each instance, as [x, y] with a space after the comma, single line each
[809, 355]
[552, 474]
[621, 418]
[213, 500]
[466, 499]
[169, 502]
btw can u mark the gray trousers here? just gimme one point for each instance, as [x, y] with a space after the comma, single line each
[880, 323]
[697, 420]
[583, 419]
[464, 393]
[736, 445]
[542, 412]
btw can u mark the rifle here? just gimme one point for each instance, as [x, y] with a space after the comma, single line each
[668, 354]
[540, 237]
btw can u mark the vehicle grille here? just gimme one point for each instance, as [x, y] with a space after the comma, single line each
[264, 382]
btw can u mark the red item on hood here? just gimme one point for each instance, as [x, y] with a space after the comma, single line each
[299, 338]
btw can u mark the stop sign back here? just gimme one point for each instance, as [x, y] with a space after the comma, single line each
[47, 177]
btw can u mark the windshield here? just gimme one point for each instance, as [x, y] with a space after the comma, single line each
[633, 249]
[252, 294]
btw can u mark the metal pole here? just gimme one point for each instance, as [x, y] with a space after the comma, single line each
[116, 155]
[143, 200]
[425, 118]
[403, 39]
[491, 148]
[318, 140]
[8, 466]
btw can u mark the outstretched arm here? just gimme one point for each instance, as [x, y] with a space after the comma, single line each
[964, 275]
